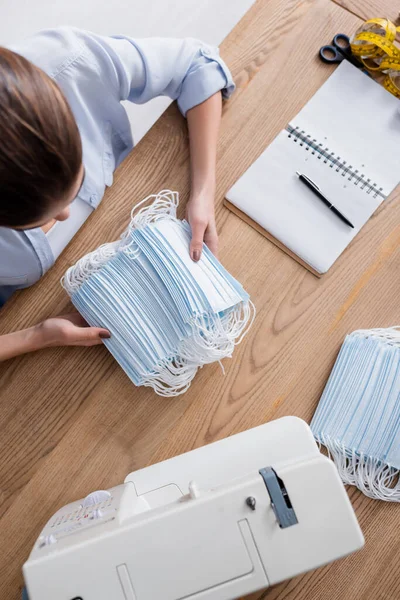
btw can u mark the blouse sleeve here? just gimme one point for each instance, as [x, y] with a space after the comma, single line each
[186, 70]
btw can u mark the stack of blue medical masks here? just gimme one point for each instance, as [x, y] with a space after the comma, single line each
[167, 315]
[358, 416]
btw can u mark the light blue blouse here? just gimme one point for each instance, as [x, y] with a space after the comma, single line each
[96, 73]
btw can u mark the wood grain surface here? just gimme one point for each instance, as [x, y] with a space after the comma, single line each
[71, 421]
[369, 9]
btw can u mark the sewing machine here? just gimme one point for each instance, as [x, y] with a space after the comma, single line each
[216, 523]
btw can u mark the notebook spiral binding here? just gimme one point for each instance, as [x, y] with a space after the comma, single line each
[329, 158]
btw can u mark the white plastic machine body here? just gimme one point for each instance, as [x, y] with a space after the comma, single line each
[212, 524]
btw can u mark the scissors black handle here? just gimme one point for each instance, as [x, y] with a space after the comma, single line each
[341, 41]
[338, 50]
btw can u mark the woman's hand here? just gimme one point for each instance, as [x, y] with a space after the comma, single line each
[201, 217]
[70, 330]
[67, 330]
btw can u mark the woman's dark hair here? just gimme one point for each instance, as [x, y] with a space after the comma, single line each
[40, 145]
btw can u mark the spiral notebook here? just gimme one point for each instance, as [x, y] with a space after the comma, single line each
[347, 140]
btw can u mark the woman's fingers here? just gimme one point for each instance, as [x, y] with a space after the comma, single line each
[196, 244]
[74, 318]
[211, 238]
[88, 336]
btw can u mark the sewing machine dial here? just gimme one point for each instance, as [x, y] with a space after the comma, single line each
[96, 498]
[97, 508]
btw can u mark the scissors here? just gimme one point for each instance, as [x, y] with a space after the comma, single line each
[339, 50]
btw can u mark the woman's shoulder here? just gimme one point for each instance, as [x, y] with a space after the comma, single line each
[53, 50]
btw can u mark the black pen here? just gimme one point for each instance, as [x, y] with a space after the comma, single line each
[314, 188]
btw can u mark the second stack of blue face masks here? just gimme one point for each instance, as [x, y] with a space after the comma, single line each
[167, 315]
[358, 416]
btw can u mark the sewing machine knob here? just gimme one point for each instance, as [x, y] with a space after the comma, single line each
[96, 498]
[96, 514]
[193, 490]
[47, 540]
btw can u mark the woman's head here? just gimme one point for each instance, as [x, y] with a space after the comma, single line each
[40, 146]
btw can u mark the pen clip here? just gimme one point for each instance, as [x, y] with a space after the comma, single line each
[314, 185]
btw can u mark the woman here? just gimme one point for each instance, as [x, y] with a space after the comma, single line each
[63, 131]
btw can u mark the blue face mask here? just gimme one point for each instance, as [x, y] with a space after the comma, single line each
[167, 315]
[358, 416]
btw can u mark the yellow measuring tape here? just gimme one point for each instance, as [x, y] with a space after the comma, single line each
[374, 45]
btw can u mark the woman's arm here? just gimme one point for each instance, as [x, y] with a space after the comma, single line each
[68, 330]
[186, 70]
[203, 123]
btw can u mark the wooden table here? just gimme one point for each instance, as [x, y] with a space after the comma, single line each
[71, 421]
